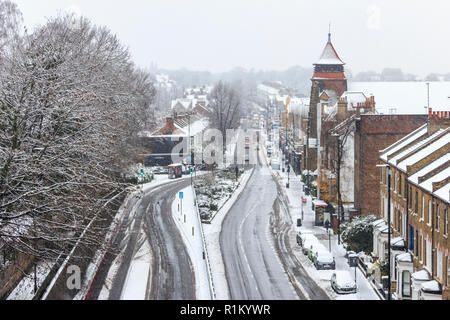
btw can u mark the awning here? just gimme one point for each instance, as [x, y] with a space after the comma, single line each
[378, 222]
[320, 203]
[405, 257]
[398, 242]
[421, 275]
[432, 286]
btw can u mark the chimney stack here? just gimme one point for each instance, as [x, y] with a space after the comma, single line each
[437, 120]
[342, 108]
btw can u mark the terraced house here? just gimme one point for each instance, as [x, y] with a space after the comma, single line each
[420, 192]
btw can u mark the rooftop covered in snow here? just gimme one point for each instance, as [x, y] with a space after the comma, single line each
[405, 97]
[424, 156]
[329, 55]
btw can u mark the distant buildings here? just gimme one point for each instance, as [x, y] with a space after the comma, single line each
[185, 130]
[195, 99]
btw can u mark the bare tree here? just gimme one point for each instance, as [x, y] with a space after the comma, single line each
[70, 99]
[10, 23]
[225, 105]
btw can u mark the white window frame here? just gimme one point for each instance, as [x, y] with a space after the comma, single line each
[430, 211]
[421, 249]
[438, 217]
[446, 222]
[428, 257]
[423, 208]
[404, 227]
[403, 284]
[439, 261]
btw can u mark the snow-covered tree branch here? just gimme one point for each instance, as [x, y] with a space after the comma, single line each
[70, 101]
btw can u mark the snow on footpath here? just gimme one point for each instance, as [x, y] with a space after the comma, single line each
[212, 237]
[186, 217]
[135, 287]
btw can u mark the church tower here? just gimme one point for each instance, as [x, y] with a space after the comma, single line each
[329, 71]
[328, 79]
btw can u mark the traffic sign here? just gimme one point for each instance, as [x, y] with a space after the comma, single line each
[181, 195]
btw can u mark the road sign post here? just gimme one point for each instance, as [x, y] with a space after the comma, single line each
[181, 204]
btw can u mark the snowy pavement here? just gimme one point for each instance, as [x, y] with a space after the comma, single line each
[135, 286]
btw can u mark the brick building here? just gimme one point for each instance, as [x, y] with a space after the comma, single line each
[337, 128]
[420, 198]
[373, 133]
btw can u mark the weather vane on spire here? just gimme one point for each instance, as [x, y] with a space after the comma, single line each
[329, 32]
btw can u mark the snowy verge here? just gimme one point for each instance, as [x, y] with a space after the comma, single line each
[135, 286]
[212, 237]
[186, 217]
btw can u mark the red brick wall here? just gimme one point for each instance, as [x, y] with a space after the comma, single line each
[375, 133]
[339, 86]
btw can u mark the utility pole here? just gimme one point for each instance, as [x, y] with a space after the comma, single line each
[339, 188]
[389, 232]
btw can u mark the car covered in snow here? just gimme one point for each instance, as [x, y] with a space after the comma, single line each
[324, 261]
[308, 244]
[315, 249]
[275, 164]
[303, 235]
[343, 283]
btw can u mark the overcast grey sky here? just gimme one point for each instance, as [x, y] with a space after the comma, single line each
[268, 34]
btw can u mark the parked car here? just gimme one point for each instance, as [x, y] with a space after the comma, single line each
[315, 249]
[308, 244]
[302, 236]
[324, 261]
[275, 164]
[343, 283]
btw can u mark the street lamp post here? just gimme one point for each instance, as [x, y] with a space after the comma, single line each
[288, 169]
[339, 190]
[389, 232]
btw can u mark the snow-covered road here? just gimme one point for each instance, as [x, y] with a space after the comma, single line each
[253, 269]
[154, 263]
